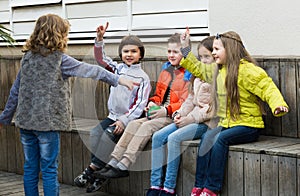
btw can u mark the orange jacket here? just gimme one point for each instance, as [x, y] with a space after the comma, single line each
[178, 89]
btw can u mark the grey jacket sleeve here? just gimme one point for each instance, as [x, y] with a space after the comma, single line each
[73, 67]
[11, 104]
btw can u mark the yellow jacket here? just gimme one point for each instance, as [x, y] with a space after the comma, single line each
[253, 82]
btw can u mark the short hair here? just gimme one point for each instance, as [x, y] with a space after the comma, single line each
[132, 40]
[175, 38]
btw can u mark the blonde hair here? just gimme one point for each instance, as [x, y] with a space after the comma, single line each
[175, 38]
[235, 51]
[49, 35]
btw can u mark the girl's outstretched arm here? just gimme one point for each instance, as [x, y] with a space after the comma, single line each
[128, 83]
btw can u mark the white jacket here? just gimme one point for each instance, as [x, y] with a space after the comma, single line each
[123, 104]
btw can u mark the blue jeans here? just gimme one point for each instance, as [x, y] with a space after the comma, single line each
[41, 150]
[102, 144]
[211, 163]
[173, 136]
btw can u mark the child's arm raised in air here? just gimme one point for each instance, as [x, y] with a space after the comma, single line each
[184, 38]
[99, 52]
[191, 63]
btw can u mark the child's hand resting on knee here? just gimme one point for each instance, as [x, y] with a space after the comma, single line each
[183, 121]
[119, 127]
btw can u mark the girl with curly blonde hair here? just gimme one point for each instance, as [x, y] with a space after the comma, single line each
[40, 97]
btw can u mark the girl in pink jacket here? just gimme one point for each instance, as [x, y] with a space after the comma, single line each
[189, 122]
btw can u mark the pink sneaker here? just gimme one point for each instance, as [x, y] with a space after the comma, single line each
[207, 192]
[196, 191]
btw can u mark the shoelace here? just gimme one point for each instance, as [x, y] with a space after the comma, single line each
[204, 194]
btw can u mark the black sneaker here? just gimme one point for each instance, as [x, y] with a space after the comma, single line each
[85, 177]
[153, 192]
[115, 173]
[98, 174]
[98, 184]
[166, 193]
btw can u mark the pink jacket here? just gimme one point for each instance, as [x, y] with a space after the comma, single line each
[197, 104]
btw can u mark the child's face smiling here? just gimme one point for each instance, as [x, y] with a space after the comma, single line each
[131, 54]
[219, 52]
[174, 53]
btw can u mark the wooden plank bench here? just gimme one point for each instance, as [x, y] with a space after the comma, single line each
[266, 167]
[269, 166]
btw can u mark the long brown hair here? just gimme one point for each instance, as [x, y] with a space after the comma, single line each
[235, 51]
[50, 34]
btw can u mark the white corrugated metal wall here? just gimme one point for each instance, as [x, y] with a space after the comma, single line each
[152, 21]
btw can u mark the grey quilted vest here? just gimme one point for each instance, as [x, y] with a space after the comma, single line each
[44, 96]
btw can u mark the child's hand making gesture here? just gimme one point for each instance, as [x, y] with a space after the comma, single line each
[184, 38]
[128, 83]
[101, 31]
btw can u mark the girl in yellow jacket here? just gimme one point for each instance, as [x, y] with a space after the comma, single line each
[240, 88]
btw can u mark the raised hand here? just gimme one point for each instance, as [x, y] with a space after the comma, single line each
[185, 37]
[101, 31]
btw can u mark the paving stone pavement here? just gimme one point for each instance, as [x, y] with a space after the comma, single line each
[11, 184]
